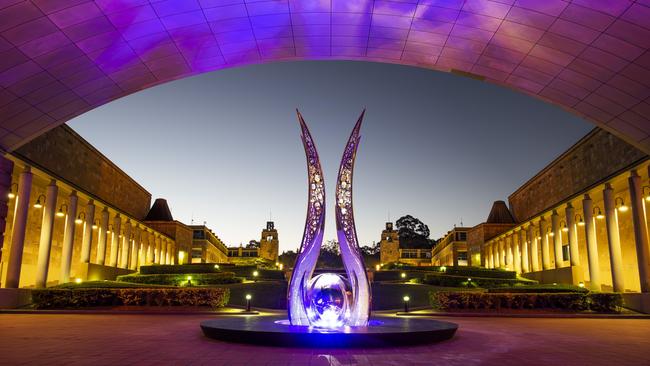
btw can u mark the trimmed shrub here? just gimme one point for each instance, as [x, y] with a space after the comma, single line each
[480, 272]
[197, 279]
[60, 298]
[539, 289]
[397, 275]
[597, 302]
[445, 280]
[179, 269]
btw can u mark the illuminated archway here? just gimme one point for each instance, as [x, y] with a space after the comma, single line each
[59, 59]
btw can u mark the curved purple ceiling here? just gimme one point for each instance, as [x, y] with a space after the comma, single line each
[61, 58]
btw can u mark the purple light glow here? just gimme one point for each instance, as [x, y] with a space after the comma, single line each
[590, 57]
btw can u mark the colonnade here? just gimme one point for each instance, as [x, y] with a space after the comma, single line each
[519, 248]
[131, 244]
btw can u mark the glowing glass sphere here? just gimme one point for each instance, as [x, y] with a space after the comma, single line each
[328, 301]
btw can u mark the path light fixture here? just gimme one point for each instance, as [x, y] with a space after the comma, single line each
[11, 193]
[189, 280]
[579, 220]
[581, 285]
[62, 212]
[443, 269]
[406, 303]
[255, 274]
[598, 213]
[80, 218]
[248, 302]
[403, 275]
[38, 203]
[281, 266]
[216, 266]
[78, 280]
[620, 204]
[377, 267]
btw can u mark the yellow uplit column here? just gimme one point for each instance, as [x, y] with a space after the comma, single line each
[158, 249]
[115, 237]
[546, 253]
[510, 255]
[135, 256]
[640, 230]
[534, 250]
[45, 244]
[613, 238]
[592, 243]
[102, 237]
[18, 229]
[68, 238]
[127, 237]
[502, 253]
[87, 231]
[572, 234]
[495, 250]
[525, 259]
[490, 255]
[517, 244]
[163, 250]
[557, 239]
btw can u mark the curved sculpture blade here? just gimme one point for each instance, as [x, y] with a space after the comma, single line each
[312, 236]
[347, 233]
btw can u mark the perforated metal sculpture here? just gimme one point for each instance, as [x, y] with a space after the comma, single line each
[329, 300]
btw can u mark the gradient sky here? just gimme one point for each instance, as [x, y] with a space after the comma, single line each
[224, 147]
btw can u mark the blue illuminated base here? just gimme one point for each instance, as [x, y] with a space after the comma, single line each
[276, 331]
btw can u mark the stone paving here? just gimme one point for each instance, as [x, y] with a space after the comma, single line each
[96, 340]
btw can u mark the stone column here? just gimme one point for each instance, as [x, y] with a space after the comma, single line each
[574, 254]
[534, 250]
[68, 238]
[546, 252]
[516, 244]
[18, 229]
[151, 248]
[615, 256]
[163, 250]
[592, 243]
[640, 230]
[137, 237]
[158, 249]
[490, 252]
[126, 244]
[168, 253]
[495, 250]
[88, 232]
[6, 186]
[102, 236]
[510, 248]
[45, 244]
[557, 239]
[115, 238]
[524, 252]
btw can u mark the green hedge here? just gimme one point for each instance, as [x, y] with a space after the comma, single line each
[598, 302]
[392, 275]
[61, 298]
[481, 272]
[179, 269]
[104, 284]
[445, 280]
[539, 289]
[198, 279]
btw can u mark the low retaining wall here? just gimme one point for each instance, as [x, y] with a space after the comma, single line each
[11, 298]
[97, 272]
[572, 275]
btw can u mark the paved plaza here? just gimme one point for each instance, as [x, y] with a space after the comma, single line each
[97, 340]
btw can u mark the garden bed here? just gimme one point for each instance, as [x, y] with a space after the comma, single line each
[186, 279]
[570, 302]
[446, 280]
[56, 298]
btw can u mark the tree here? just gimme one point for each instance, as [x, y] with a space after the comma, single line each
[409, 227]
[253, 244]
[330, 255]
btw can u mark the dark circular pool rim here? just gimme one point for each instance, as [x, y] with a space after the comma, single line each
[386, 332]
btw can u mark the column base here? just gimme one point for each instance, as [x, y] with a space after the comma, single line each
[572, 275]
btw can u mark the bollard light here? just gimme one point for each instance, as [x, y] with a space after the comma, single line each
[443, 269]
[406, 303]
[78, 280]
[403, 275]
[248, 302]
[216, 266]
[377, 267]
[255, 274]
[581, 285]
[189, 280]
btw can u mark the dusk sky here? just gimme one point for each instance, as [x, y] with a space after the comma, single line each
[224, 147]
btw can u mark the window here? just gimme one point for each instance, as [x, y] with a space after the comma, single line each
[565, 252]
[198, 234]
[462, 236]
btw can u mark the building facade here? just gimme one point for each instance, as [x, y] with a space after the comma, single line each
[206, 246]
[582, 219]
[451, 250]
[73, 214]
[266, 252]
[392, 249]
